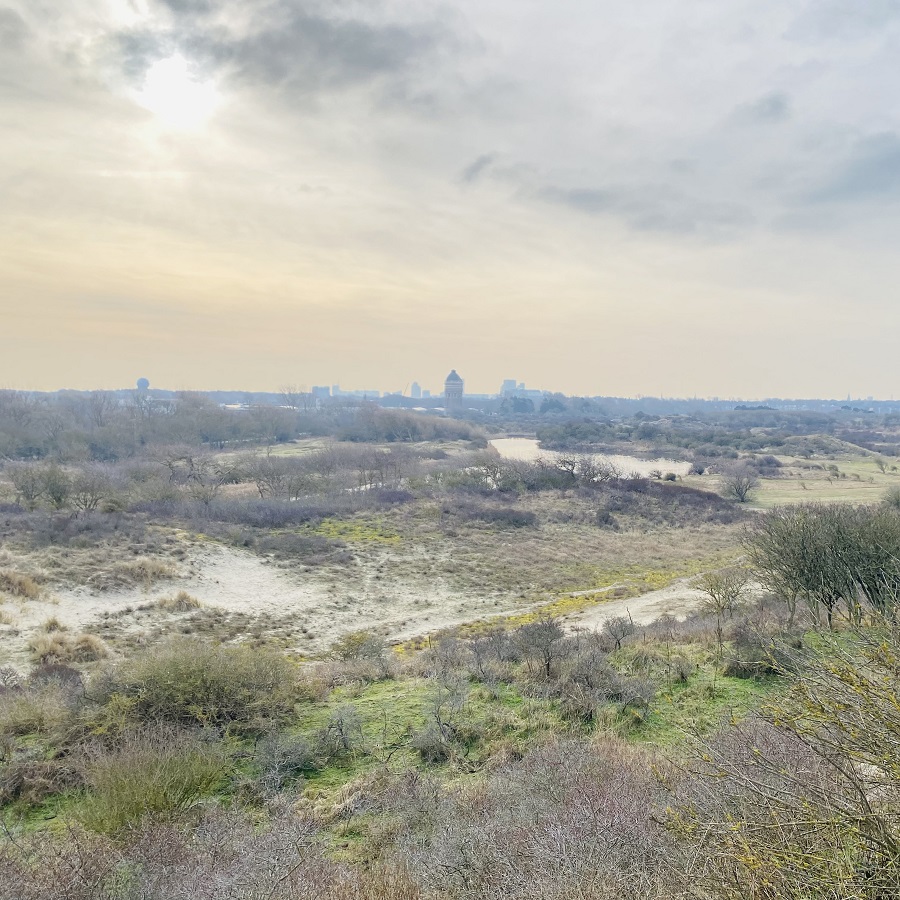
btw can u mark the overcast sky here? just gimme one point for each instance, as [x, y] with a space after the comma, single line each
[676, 197]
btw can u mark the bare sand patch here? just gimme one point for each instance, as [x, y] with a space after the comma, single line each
[367, 596]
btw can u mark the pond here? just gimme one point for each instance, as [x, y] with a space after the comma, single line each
[527, 449]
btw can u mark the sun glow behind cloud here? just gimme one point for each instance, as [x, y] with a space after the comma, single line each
[175, 97]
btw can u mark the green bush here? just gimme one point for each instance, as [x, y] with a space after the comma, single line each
[148, 772]
[190, 682]
[36, 709]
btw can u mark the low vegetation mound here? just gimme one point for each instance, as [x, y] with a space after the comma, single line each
[152, 771]
[190, 682]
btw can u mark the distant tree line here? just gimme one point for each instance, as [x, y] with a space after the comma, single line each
[106, 427]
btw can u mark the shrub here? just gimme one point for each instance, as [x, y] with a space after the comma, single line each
[56, 673]
[739, 483]
[343, 735]
[432, 744]
[39, 708]
[162, 772]
[755, 654]
[605, 519]
[282, 759]
[192, 682]
[500, 516]
[31, 781]
[229, 854]
[358, 645]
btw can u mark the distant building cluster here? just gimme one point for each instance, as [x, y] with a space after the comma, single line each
[452, 397]
[323, 392]
[511, 389]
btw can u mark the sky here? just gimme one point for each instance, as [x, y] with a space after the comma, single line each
[666, 198]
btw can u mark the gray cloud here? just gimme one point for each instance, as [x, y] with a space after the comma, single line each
[188, 7]
[774, 107]
[872, 170]
[138, 50]
[655, 208]
[473, 172]
[298, 49]
[13, 30]
[844, 20]
[305, 52]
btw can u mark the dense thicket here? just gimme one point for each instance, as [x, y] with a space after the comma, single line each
[833, 557]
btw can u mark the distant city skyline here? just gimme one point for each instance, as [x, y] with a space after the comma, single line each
[520, 389]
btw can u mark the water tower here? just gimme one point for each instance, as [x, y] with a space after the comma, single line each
[453, 392]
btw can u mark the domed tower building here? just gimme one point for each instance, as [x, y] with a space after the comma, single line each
[453, 392]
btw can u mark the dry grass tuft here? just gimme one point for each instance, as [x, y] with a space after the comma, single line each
[144, 571]
[52, 624]
[59, 648]
[19, 585]
[181, 602]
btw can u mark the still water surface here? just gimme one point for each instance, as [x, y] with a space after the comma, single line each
[527, 449]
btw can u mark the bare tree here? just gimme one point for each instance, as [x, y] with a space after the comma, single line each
[722, 591]
[295, 396]
[101, 405]
[28, 480]
[618, 628]
[57, 486]
[544, 640]
[90, 488]
[739, 483]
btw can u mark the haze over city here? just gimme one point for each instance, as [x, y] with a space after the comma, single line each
[605, 198]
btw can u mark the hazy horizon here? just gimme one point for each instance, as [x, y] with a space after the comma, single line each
[437, 393]
[601, 199]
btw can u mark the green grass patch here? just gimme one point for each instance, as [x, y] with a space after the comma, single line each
[356, 531]
[706, 701]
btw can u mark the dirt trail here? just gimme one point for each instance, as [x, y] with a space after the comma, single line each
[677, 600]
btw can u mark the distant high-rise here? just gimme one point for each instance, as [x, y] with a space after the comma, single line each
[453, 392]
[508, 388]
[415, 391]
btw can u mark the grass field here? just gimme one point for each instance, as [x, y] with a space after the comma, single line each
[841, 479]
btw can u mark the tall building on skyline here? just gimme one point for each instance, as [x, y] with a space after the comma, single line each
[453, 392]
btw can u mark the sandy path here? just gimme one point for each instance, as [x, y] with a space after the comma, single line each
[677, 600]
